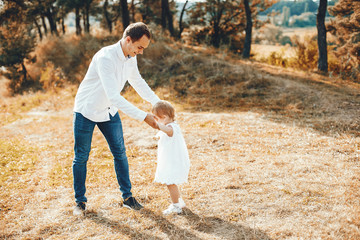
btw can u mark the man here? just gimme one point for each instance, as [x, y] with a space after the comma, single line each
[97, 103]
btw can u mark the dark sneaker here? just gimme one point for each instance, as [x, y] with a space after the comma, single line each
[79, 209]
[131, 203]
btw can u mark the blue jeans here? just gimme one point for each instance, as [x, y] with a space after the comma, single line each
[112, 131]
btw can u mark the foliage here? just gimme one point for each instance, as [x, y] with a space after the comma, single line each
[306, 53]
[222, 21]
[17, 44]
[346, 28]
[271, 34]
[304, 20]
[76, 53]
[150, 10]
[278, 59]
[306, 56]
[296, 8]
[52, 78]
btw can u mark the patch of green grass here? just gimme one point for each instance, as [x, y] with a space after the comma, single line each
[61, 172]
[17, 158]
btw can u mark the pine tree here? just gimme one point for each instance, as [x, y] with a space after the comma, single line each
[346, 28]
[16, 43]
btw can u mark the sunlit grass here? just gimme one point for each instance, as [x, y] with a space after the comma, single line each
[14, 108]
[264, 164]
[17, 159]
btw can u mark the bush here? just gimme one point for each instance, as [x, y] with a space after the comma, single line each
[52, 78]
[304, 20]
[284, 40]
[276, 58]
[306, 53]
[306, 58]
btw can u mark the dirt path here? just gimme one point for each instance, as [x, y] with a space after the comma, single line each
[251, 178]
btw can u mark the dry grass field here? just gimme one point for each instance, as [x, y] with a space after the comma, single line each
[283, 164]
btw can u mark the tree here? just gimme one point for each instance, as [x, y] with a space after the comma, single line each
[218, 18]
[50, 11]
[125, 13]
[322, 44]
[107, 15]
[16, 43]
[181, 28]
[224, 21]
[248, 30]
[166, 16]
[71, 5]
[346, 28]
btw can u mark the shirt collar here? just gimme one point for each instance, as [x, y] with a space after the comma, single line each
[120, 52]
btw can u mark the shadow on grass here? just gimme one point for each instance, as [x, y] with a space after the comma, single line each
[209, 225]
[221, 228]
[170, 229]
[117, 226]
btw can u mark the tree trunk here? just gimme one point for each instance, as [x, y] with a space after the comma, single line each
[84, 20]
[44, 24]
[170, 19]
[216, 27]
[166, 16]
[248, 30]
[107, 16]
[63, 25]
[322, 44]
[50, 17]
[181, 28]
[38, 28]
[125, 13]
[77, 21]
[163, 14]
[132, 10]
[25, 81]
[87, 17]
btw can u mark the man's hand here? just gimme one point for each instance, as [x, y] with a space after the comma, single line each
[151, 121]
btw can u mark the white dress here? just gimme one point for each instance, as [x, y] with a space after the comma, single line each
[173, 162]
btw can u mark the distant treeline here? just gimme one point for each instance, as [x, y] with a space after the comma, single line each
[297, 7]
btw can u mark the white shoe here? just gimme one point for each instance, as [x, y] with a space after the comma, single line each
[172, 209]
[79, 209]
[180, 204]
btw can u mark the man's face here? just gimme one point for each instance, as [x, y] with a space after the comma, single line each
[135, 48]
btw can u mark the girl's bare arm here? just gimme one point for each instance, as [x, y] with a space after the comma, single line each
[166, 129]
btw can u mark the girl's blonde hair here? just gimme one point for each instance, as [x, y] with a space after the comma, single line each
[164, 108]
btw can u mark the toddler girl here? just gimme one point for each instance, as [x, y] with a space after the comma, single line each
[173, 162]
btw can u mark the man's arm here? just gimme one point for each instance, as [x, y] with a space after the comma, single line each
[140, 85]
[105, 69]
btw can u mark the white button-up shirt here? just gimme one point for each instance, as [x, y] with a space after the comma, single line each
[99, 92]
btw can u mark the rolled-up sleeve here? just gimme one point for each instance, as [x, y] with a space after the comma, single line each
[106, 69]
[141, 87]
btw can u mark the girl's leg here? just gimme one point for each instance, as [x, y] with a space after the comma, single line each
[174, 193]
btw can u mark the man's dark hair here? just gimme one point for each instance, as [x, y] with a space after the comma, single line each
[136, 30]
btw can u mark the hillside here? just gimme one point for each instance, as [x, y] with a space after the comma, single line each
[274, 153]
